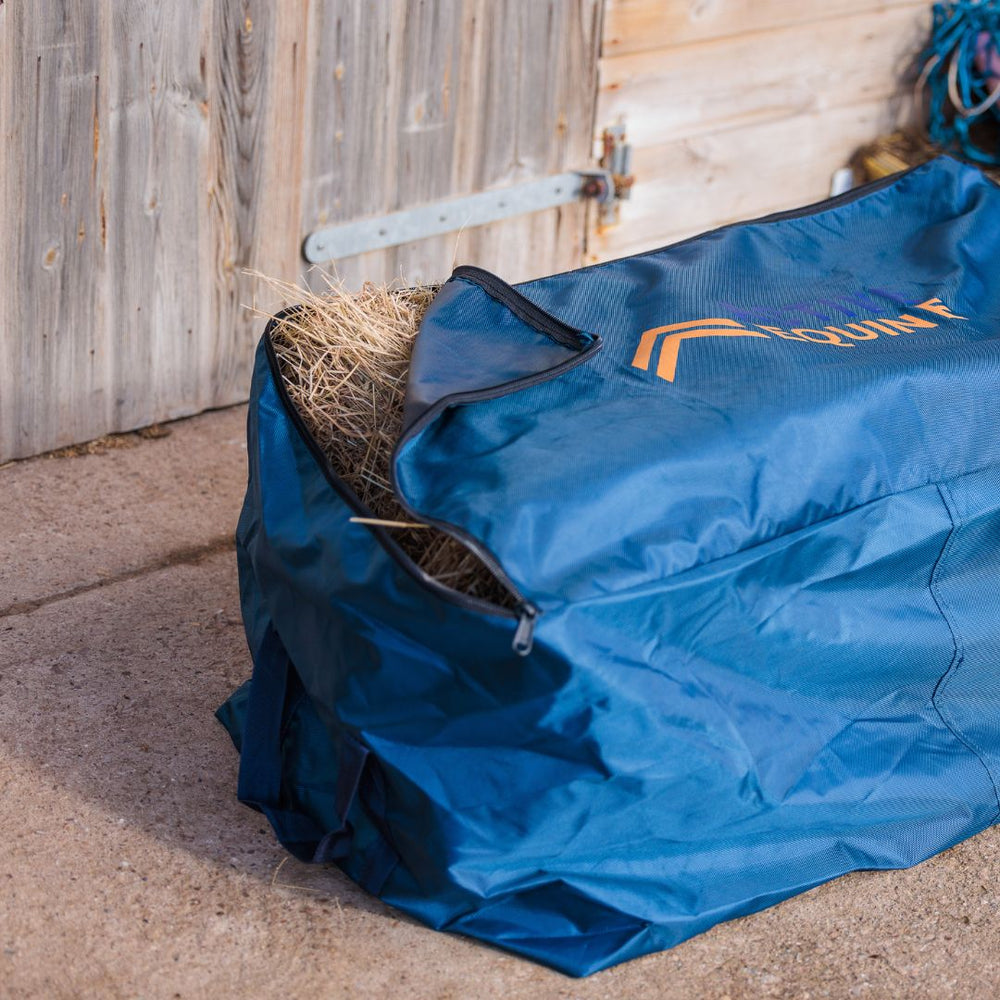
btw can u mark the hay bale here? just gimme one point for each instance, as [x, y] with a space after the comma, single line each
[344, 359]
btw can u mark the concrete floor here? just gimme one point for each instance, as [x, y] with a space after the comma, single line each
[128, 869]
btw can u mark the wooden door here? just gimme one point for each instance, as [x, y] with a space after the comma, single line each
[153, 152]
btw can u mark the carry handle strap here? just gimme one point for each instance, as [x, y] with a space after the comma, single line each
[273, 688]
[260, 777]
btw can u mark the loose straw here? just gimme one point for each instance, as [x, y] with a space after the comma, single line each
[344, 358]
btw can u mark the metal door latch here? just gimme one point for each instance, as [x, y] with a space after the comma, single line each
[616, 160]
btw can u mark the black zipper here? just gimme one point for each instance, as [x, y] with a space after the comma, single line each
[537, 318]
[815, 208]
[525, 613]
[522, 307]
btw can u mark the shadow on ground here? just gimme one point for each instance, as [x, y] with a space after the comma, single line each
[111, 695]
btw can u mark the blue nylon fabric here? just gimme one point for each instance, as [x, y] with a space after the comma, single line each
[768, 644]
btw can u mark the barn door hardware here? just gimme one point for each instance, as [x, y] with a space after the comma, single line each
[452, 214]
[616, 160]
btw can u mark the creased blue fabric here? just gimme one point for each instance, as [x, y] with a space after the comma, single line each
[751, 485]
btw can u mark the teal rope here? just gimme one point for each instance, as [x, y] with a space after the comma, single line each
[961, 76]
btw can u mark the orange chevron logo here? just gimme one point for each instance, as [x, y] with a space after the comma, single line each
[666, 367]
[829, 336]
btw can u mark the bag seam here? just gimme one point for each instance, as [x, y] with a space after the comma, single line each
[958, 656]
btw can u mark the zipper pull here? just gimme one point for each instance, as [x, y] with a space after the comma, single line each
[525, 634]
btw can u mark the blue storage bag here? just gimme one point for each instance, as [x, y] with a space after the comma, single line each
[745, 491]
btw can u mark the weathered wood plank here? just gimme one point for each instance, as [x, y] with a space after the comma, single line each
[641, 25]
[730, 82]
[254, 163]
[277, 239]
[486, 94]
[382, 123]
[151, 156]
[49, 226]
[553, 105]
[152, 164]
[696, 184]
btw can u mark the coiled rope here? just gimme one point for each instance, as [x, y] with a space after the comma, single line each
[961, 76]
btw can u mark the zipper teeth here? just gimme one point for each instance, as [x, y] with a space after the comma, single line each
[484, 395]
[483, 554]
[522, 307]
[480, 395]
[389, 545]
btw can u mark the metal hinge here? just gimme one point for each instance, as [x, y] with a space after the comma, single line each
[447, 216]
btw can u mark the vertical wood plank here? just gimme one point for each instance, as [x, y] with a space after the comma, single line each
[240, 67]
[151, 155]
[49, 226]
[152, 161]
[277, 240]
[550, 92]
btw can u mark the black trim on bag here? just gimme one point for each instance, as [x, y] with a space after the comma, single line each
[479, 396]
[538, 319]
[522, 307]
[389, 544]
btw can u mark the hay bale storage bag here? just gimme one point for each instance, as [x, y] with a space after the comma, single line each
[745, 493]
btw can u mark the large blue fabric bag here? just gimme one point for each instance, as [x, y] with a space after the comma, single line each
[746, 490]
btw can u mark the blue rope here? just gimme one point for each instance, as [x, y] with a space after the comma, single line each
[961, 76]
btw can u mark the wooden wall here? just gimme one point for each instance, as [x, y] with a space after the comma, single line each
[153, 151]
[139, 177]
[470, 95]
[737, 108]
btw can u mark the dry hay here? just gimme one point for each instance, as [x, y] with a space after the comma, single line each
[109, 442]
[898, 151]
[344, 359]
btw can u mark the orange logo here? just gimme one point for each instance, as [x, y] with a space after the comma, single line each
[666, 367]
[670, 345]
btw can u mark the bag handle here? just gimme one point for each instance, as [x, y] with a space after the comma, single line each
[274, 689]
[260, 776]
